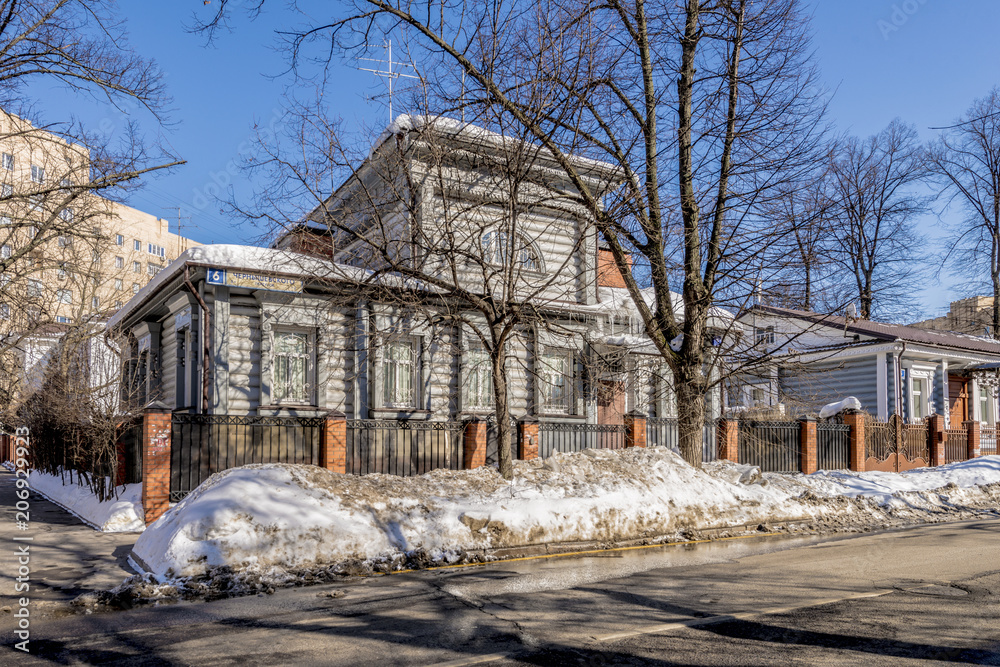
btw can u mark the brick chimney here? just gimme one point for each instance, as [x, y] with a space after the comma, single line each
[608, 274]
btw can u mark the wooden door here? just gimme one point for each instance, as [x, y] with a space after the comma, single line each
[610, 402]
[958, 400]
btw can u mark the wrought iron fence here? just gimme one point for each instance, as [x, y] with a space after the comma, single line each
[956, 445]
[914, 443]
[205, 444]
[880, 440]
[130, 454]
[663, 432]
[404, 447]
[576, 437]
[772, 446]
[833, 446]
[988, 441]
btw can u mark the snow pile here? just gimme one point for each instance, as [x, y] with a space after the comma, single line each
[831, 409]
[118, 515]
[278, 521]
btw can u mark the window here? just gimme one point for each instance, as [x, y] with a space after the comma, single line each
[36, 202]
[135, 288]
[118, 283]
[153, 269]
[119, 239]
[61, 272]
[32, 232]
[5, 252]
[35, 288]
[556, 374]
[37, 174]
[118, 305]
[757, 396]
[136, 267]
[64, 296]
[398, 374]
[157, 250]
[764, 335]
[7, 190]
[478, 379]
[985, 403]
[62, 319]
[8, 161]
[4, 311]
[119, 262]
[136, 245]
[290, 367]
[66, 215]
[65, 241]
[95, 303]
[918, 393]
[497, 250]
[5, 221]
[66, 182]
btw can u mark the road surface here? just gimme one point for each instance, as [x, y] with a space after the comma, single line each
[926, 595]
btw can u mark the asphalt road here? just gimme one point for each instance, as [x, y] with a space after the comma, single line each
[925, 595]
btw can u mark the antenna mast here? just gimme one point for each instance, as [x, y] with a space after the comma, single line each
[389, 73]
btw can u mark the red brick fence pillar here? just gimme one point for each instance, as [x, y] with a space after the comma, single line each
[333, 442]
[155, 460]
[474, 442]
[807, 445]
[972, 428]
[635, 429]
[528, 448]
[856, 443]
[729, 440]
[935, 434]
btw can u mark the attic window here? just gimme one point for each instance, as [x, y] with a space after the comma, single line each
[764, 335]
[497, 249]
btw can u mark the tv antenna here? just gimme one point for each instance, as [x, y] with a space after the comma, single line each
[390, 73]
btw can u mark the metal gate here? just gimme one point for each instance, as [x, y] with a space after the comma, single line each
[894, 446]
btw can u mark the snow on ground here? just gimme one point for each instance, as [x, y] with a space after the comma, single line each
[277, 523]
[118, 515]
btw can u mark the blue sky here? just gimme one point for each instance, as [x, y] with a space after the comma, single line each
[922, 60]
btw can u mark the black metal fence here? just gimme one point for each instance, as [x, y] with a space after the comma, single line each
[130, 454]
[205, 444]
[956, 445]
[404, 447]
[663, 432]
[833, 445]
[575, 437]
[772, 446]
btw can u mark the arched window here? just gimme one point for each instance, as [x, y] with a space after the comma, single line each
[498, 249]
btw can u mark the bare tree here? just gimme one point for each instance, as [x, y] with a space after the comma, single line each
[58, 180]
[875, 184]
[704, 108]
[966, 161]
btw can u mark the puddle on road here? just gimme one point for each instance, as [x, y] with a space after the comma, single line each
[532, 576]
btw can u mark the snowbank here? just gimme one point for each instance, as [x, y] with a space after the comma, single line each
[118, 515]
[275, 520]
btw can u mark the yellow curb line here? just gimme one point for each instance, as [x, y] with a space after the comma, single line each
[584, 553]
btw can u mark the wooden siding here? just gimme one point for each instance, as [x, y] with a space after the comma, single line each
[168, 363]
[244, 354]
[827, 382]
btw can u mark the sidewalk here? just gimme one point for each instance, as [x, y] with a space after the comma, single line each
[67, 557]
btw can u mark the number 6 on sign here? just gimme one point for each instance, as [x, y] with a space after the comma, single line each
[216, 277]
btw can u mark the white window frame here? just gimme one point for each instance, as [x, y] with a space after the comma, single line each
[119, 262]
[7, 190]
[307, 397]
[136, 267]
[495, 245]
[36, 288]
[8, 161]
[37, 174]
[64, 296]
[385, 377]
[763, 335]
[137, 244]
[135, 288]
[119, 239]
[4, 311]
[547, 374]
[119, 284]
[5, 251]
[918, 398]
[95, 302]
[477, 379]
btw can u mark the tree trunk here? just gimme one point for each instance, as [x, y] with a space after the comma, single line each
[995, 275]
[690, 419]
[501, 409]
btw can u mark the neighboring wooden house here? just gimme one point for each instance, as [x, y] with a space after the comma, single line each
[890, 368]
[308, 327]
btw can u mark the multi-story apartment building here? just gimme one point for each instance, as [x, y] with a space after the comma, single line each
[68, 254]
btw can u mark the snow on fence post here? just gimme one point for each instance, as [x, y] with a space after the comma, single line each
[528, 429]
[935, 435]
[155, 460]
[474, 441]
[729, 440]
[856, 445]
[635, 429]
[333, 442]
[972, 428]
[808, 461]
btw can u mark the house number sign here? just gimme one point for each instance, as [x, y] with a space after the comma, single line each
[249, 280]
